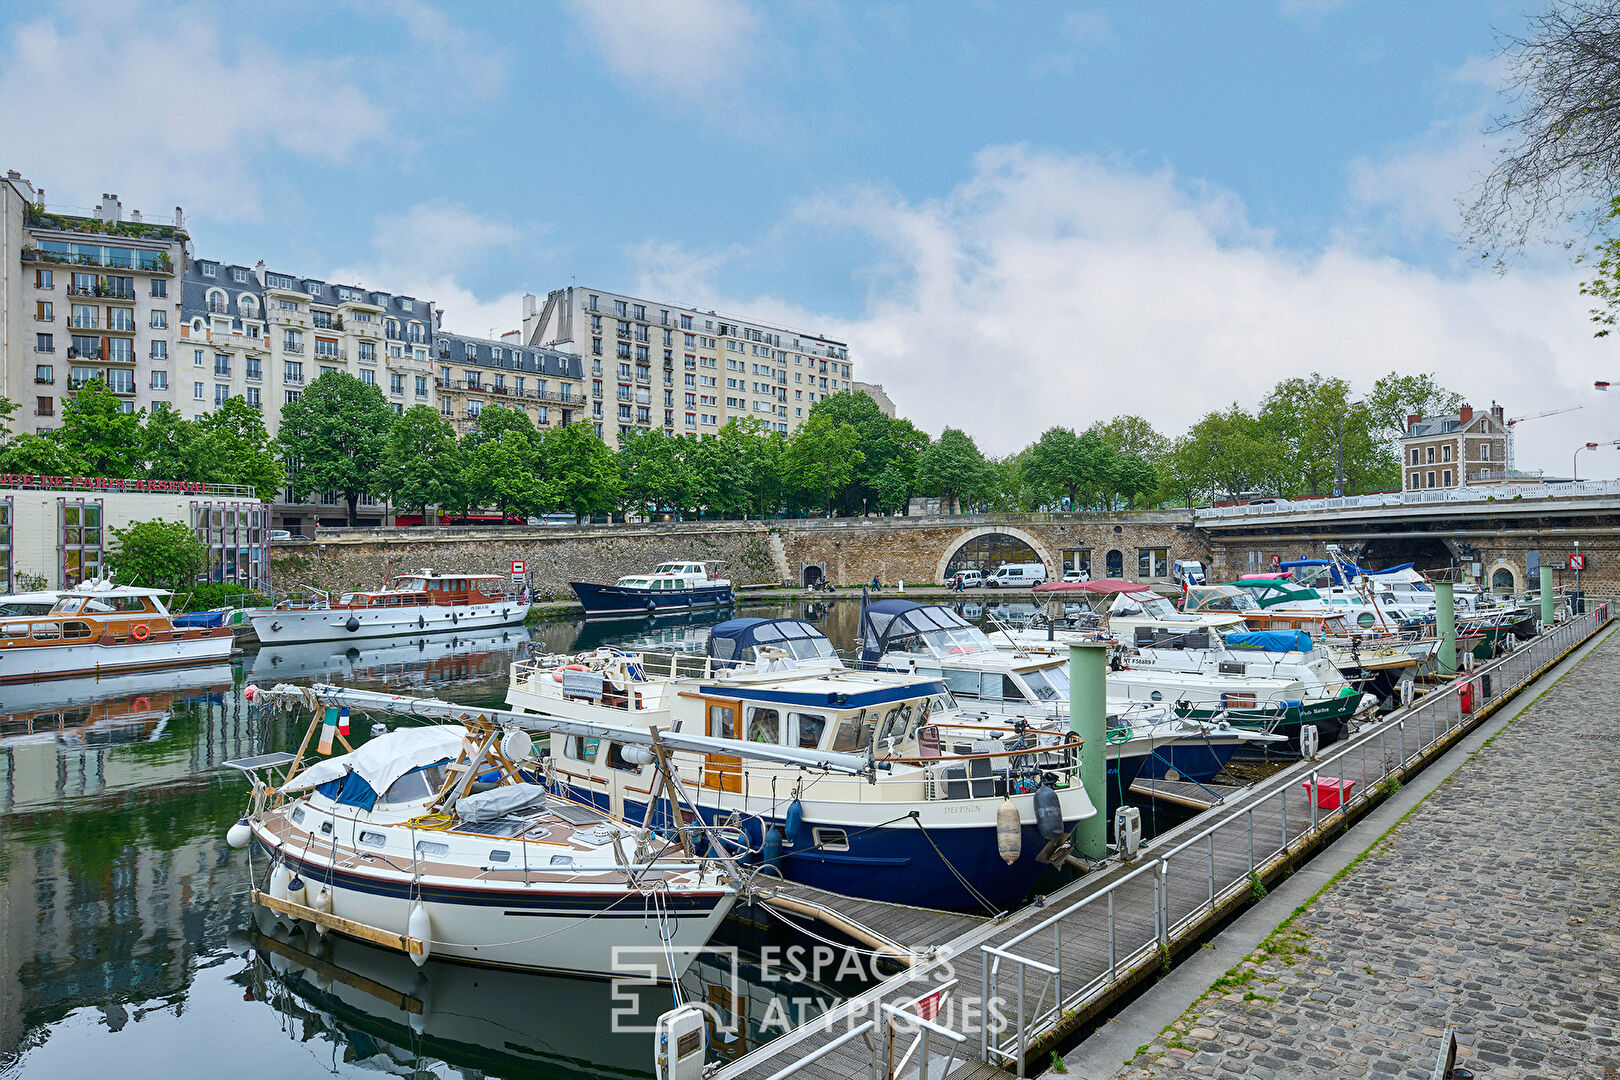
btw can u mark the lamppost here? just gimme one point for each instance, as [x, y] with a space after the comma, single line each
[1337, 431]
[1574, 468]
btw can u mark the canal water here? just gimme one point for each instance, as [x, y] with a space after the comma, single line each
[128, 947]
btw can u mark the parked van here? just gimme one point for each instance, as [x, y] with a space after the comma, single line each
[1188, 572]
[1017, 576]
[967, 579]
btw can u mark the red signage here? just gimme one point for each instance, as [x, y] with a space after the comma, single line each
[928, 1007]
[101, 483]
[1577, 562]
[517, 567]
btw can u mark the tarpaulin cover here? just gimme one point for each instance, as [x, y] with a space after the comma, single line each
[381, 761]
[500, 801]
[1271, 640]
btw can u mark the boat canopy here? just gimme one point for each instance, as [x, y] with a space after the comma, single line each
[1269, 593]
[1218, 598]
[358, 777]
[735, 639]
[1271, 640]
[1102, 587]
[903, 626]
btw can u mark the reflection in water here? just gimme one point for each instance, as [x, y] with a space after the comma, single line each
[118, 892]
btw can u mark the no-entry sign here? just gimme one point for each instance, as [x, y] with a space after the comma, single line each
[517, 566]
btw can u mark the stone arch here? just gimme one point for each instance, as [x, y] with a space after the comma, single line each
[1495, 573]
[813, 575]
[955, 545]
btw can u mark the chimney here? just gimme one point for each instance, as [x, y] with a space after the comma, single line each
[110, 209]
[1466, 415]
[1497, 414]
[1412, 418]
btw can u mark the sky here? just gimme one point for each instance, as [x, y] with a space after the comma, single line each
[1016, 214]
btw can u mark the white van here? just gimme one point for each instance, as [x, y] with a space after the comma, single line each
[1017, 576]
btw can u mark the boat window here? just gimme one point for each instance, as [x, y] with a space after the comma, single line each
[326, 828]
[830, 839]
[854, 733]
[896, 724]
[373, 839]
[579, 748]
[67, 605]
[500, 855]
[764, 726]
[414, 785]
[616, 759]
[47, 631]
[1365, 618]
[433, 849]
[964, 683]
[76, 630]
[298, 815]
[807, 729]
[1048, 684]
[723, 721]
[14, 630]
[562, 860]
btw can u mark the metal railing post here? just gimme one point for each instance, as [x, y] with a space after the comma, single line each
[1314, 795]
[1113, 960]
[1211, 839]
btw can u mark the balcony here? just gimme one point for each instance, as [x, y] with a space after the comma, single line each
[45, 348]
[296, 348]
[293, 380]
[75, 354]
[624, 335]
[364, 359]
[83, 322]
[43, 382]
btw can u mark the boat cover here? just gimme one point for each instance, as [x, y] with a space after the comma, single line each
[727, 640]
[499, 801]
[884, 622]
[204, 619]
[381, 761]
[1271, 640]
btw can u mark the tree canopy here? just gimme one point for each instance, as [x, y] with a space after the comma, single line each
[333, 437]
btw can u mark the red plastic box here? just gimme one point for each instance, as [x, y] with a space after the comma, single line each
[1329, 792]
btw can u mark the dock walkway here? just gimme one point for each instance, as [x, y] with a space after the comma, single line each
[1490, 909]
[1045, 969]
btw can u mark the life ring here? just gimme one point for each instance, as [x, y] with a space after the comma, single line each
[575, 667]
[141, 632]
[140, 704]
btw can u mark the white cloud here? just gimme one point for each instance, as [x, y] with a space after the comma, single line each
[1056, 290]
[698, 51]
[187, 114]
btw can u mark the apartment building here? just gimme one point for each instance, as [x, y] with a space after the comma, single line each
[653, 364]
[1467, 447]
[546, 385]
[86, 295]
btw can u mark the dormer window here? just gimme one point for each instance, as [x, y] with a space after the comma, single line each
[238, 274]
[209, 269]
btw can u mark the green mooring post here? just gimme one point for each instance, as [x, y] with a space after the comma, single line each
[1546, 595]
[1445, 614]
[1088, 718]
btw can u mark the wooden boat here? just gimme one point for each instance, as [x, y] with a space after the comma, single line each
[100, 628]
[425, 602]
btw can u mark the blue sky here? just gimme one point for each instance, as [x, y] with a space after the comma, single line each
[1018, 213]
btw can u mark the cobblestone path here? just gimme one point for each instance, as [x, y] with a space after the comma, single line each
[1494, 907]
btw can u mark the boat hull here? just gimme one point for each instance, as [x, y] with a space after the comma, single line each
[61, 661]
[285, 627]
[610, 601]
[571, 931]
[1331, 716]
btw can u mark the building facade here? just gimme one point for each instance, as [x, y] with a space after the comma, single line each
[656, 365]
[1466, 447]
[55, 531]
[85, 296]
[874, 391]
[546, 385]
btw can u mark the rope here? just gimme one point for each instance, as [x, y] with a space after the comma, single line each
[978, 896]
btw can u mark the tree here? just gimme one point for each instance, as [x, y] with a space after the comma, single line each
[952, 468]
[655, 472]
[98, 435]
[1397, 396]
[1133, 477]
[332, 438]
[157, 554]
[1230, 453]
[39, 455]
[502, 471]
[581, 471]
[1133, 435]
[421, 462]
[1560, 166]
[233, 447]
[1323, 429]
[7, 408]
[884, 442]
[823, 457]
[170, 444]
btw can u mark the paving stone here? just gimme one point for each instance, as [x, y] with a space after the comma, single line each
[1490, 910]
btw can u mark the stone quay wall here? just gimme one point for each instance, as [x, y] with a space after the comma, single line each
[845, 551]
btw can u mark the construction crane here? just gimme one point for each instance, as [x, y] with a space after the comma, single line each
[1514, 421]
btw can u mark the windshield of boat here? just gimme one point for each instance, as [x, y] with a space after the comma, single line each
[1313, 577]
[1219, 598]
[1142, 603]
[633, 582]
[1048, 683]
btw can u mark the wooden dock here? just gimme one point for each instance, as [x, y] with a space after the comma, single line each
[1193, 796]
[1045, 969]
[904, 932]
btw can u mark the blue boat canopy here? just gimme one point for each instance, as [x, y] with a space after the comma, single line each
[1271, 640]
[736, 639]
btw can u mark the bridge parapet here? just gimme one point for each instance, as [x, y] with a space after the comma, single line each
[1584, 495]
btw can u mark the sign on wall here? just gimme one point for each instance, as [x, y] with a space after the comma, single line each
[1577, 562]
[517, 568]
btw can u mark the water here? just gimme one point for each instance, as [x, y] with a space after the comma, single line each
[127, 943]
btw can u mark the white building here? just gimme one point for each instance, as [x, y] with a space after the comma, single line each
[652, 364]
[84, 295]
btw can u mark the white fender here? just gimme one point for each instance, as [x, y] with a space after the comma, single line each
[1009, 832]
[279, 877]
[295, 890]
[420, 926]
[321, 900]
[239, 834]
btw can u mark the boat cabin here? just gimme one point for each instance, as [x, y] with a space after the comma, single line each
[770, 645]
[929, 640]
[671, 575]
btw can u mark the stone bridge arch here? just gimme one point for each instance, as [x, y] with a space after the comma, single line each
[956, 544]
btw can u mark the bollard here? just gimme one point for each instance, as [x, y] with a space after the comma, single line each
[1445, 613]
[1546, 595]
[1088, 718]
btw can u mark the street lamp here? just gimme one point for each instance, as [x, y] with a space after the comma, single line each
[1574, 468]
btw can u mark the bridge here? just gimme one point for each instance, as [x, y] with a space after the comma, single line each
[1499, 534]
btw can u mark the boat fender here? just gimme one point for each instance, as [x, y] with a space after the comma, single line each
[506, 613]
[637, 755]
[352, 625]
[278, 881]
[794, 822]
[1009, 832]
[238, 835]
[1048, 813]
[422, 991]
[420, 926]
[772, 852]
[652, 605]
[295, 890]
[575, 667]
[421, 622]
[141, 632]
[320, 900]
[378, 728]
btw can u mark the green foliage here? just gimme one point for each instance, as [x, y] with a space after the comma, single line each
[157, 554]
[421, 463]
[233, 447]
[656, 472]
[582, 472]
[824, 455]
[503, 472]
[97, 435]
[884, 477]
[332, 438]
[224, 594]
[1318, 421]
[952, 469]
